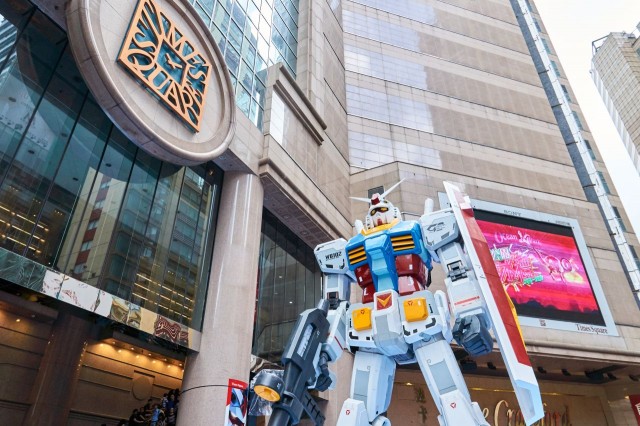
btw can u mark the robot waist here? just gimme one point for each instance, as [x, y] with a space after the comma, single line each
[390, 323]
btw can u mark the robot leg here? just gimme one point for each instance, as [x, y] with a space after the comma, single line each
[446, 384]
[370, 395]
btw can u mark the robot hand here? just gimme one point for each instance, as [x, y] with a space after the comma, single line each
[325, 378]
[473, 335]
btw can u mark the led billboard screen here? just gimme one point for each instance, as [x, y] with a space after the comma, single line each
[545, 266]
[541, 267]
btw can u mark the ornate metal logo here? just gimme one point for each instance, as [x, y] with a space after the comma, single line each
[168, 64]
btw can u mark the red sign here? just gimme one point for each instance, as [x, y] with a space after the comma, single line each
[635, 405]
[237, 403]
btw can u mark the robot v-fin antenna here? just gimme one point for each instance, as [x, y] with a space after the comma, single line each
[388, 191]
[364, 200]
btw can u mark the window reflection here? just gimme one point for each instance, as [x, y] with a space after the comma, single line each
[252, 35]
[289, 282]
[77, 196]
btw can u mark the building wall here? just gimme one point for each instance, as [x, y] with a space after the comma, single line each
[432, 98]
[113, 379]
[126, 377]
[616, 72]
[427, 91]
[21, 349]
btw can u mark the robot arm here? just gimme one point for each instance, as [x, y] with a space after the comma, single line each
[336, 285]
[337, 277]
[441, 236]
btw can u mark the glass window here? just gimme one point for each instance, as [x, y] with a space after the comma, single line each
[289, 282]
[605, 185]
[77, 196]
[590, 150]
[634, 253]
[555, 68]
[566, 93]
[616, 212]
[245, 31]
[577, 118]
[537, 24]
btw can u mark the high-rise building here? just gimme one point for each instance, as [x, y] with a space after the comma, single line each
[167, 167]
[615, 69]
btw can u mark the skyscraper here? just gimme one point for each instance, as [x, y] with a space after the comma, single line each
[161, 195]
[615, 69]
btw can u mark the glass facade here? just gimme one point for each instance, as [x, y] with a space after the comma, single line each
[77, 196]
[289, 281]
[253, 35]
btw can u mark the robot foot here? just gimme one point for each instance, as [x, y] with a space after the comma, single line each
[354, 413]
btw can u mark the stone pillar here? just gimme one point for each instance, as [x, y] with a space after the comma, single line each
[225, 349]
[54, 388]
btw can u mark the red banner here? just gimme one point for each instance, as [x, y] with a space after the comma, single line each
[635, 405]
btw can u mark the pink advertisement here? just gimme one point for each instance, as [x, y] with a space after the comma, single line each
[542, 271]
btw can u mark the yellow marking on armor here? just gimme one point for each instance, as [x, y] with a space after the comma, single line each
[416, 309]
[403, 242]
[357, 255]
[380, 228]
[361, 319]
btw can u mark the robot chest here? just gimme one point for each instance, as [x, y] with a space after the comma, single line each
[380, 260]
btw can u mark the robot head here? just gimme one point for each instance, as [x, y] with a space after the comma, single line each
[381, 212]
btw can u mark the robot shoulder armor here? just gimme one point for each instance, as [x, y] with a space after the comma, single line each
[331, 256]
[439, 228]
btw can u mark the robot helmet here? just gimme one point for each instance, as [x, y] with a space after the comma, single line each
[381, 211]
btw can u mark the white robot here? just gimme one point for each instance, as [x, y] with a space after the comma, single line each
[400, 321]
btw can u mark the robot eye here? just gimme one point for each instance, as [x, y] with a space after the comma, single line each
[379, 209]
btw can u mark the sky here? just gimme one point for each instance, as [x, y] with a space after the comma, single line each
[572, 25]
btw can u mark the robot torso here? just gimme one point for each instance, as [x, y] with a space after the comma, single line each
[389, 257]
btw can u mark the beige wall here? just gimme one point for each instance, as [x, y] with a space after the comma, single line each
[579, 404]
[122, 378]
[113, 379]
[473, 111]
[22, 345]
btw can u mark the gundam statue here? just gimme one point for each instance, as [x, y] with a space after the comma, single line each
[400, 321]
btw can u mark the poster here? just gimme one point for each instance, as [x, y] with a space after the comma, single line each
[237, 404]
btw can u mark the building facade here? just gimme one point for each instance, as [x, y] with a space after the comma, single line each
[615, 69]
[168, 166]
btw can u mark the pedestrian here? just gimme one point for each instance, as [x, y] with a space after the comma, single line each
[155, 415]
[171, 417]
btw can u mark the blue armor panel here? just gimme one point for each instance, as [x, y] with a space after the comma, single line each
[379, 251]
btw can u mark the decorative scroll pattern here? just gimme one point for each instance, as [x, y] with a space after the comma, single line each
[170, 330]
[166, 62]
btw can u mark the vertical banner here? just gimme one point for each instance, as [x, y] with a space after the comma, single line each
[237, 404]
[635, 405]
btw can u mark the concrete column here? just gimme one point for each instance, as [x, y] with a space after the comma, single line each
[55, 384]
[225, 350]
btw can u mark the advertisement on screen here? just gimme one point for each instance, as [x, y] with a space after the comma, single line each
[542, 271]
[544, 265]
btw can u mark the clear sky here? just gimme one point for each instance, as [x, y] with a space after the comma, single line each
[572, 26]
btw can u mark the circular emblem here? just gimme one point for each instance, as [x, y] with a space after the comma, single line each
[155, 69]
